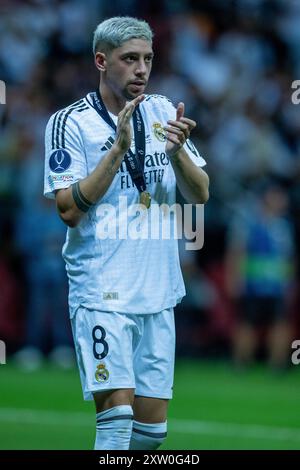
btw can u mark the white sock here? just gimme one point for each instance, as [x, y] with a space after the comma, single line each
[113, 428]
[147, 436]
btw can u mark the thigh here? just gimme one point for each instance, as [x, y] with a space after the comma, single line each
[103, 343]
[155, 355]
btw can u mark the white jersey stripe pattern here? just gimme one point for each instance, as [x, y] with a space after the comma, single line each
[121, 272]
[60, 122]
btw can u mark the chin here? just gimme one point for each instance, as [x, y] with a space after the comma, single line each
[130, 96]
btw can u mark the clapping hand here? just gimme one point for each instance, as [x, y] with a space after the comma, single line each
[177, 132]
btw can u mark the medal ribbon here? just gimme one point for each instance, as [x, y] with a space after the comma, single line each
[134, 162]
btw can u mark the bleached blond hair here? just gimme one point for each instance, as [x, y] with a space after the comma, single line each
[112, 33]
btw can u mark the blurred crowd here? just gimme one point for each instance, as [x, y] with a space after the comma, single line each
[232, 63]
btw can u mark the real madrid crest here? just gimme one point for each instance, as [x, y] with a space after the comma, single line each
[101, 374]
[159, 131]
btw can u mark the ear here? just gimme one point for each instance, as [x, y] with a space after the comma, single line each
[100, 61]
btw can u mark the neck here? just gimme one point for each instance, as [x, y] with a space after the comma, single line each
[114, 103]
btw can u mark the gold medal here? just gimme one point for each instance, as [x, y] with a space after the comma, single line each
[145, 199]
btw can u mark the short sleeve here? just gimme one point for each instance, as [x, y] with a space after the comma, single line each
[193, 153]
[189, 147]
[65, 160]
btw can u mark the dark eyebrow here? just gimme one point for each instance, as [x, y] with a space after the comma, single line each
[125, 54]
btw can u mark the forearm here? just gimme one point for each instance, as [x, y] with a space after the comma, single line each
[191, 180]
[93, 187]
[97, 183]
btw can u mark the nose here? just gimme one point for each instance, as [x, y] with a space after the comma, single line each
[142, 68]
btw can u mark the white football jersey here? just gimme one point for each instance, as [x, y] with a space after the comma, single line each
[118, 258]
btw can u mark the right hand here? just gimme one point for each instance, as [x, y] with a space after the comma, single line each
[124, 134]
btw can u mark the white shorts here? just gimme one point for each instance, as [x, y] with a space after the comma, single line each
[116, 350]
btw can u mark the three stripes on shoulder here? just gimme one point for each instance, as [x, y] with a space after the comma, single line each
[59, 123]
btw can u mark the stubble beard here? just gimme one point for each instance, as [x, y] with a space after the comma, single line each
[129, 96]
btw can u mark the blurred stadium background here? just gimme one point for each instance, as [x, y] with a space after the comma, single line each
[232, 63]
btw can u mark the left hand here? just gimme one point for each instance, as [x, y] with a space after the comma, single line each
[178, 131]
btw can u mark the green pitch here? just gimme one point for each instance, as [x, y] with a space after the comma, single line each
[214, 407]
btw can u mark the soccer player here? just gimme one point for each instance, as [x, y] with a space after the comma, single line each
[115, 148]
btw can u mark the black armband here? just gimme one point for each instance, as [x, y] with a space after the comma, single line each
[80, 200]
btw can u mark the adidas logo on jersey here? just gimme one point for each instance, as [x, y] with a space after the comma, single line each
[108, 144]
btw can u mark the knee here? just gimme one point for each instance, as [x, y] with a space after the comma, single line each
[147, 436]
[106, 400]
